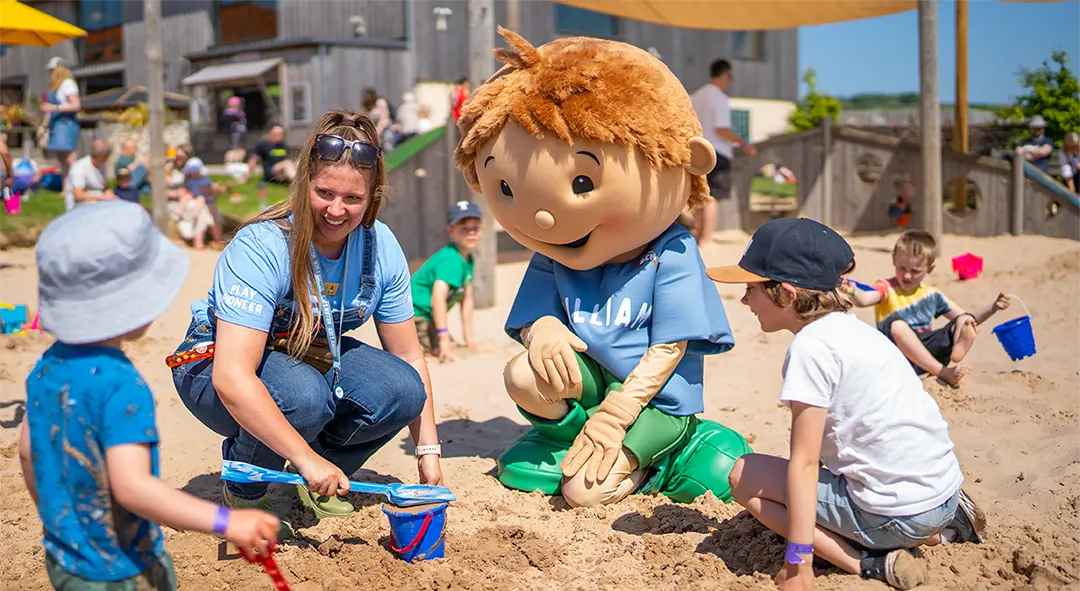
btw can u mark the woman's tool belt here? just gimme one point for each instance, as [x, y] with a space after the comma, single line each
[318, 353]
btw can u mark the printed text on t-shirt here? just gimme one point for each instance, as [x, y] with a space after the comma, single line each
[601, 316]
[240, 297]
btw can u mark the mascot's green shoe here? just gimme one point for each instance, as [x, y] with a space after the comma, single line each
[532, 463]
[703, 464]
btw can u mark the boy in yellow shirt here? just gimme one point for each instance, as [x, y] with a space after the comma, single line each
[905, 308]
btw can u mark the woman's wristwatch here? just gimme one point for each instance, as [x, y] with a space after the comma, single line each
[423, 450]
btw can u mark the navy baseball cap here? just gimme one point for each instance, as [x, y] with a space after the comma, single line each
[463, 210]
[798, 251]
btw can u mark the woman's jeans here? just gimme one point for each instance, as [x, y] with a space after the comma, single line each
[382, 394]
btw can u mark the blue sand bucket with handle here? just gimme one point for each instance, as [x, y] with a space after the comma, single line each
[417, 533]
[1016, 335]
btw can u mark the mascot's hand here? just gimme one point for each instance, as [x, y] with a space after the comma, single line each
[551, 353]
[600, 441]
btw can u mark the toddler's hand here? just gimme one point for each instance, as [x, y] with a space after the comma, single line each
[253, 531]
[1002, 301]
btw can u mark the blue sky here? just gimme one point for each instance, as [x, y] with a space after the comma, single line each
[882, 54]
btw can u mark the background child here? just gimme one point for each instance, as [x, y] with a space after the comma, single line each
[890, 479]
[123, 189]
[905, 308]
[89, 443]
[446, 279]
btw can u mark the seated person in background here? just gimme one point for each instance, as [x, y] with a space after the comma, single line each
[236, 165]
[87, 176]
[274, 155]
[138, 168]
[198, 182]
[1069, 159]
[124, 188]
[446, 279]
[905, 309]
[900, 210]
[1037, 148]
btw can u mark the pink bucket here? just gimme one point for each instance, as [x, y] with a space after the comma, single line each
[967, 266]
[12, 203]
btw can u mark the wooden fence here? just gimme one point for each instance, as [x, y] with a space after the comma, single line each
[848, 178]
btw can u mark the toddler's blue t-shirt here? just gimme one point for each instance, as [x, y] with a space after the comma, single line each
[620, 310]
[80, 402]
[252, 278]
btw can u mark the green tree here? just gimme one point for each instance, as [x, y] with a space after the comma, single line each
[1054, 93]
[814, 107]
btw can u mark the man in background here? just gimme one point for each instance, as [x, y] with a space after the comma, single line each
[86, 179]
[711, 105]
[274, 154]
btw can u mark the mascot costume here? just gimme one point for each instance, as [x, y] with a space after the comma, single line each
[586, 152]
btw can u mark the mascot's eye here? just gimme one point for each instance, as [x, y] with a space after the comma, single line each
[505, 189]
[582, 184]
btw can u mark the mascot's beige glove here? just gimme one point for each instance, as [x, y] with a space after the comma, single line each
[551, 353]
[600, 441]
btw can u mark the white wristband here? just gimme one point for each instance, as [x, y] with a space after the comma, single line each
[423, 450]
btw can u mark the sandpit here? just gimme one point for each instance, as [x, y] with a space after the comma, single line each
[1015, 427]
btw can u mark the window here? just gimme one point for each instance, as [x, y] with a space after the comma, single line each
[749, 45]
[578, 21]
[740, 123]
[300, 113]
[245, 20]
[103, 21]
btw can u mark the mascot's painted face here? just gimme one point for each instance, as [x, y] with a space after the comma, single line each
[584, 204]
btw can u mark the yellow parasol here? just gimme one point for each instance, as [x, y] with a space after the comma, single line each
[744, 15]
[22, 25]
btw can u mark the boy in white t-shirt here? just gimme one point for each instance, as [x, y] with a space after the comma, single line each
[872, 470]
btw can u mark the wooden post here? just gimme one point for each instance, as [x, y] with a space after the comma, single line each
[826, 172]
[960, 118]
[156, 108]
[929, 120]
[513, 16]
[482, 66]
[1016, 194]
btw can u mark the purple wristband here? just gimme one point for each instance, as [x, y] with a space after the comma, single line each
[792, 554]
[221, 521]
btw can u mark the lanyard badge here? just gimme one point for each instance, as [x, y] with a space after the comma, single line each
[333, 337]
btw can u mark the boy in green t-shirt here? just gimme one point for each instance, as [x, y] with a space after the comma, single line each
[446, 279]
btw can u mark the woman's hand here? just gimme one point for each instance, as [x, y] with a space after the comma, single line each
[48, 107]
[430, 469]
[795, 577]
[322, 476]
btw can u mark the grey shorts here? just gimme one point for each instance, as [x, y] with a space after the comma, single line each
[838, 513]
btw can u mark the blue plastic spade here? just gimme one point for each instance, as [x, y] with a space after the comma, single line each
[861, 286]
[401, 495]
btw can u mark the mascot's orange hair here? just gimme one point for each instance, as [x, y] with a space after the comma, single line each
[594, 89]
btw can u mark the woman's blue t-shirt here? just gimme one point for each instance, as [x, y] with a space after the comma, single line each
[252, 278]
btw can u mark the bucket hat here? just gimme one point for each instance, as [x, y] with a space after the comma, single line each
[104, 270]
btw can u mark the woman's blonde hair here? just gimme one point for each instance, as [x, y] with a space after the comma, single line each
[58, 76]
[1072, 140]
[301, 229]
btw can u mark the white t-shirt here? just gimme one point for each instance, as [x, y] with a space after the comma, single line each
[84, 175]
[883, 433]
[68, 88]
[711, 105]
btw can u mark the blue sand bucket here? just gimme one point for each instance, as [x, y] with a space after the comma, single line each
[417, 533]
[1016, 335]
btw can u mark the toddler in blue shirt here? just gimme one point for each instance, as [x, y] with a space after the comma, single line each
[88, 447]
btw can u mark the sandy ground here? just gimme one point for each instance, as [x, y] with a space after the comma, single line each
[1014, 424]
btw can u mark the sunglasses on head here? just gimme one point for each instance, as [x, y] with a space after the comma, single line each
[331, 147]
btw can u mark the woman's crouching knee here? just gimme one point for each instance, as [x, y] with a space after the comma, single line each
[407, 396]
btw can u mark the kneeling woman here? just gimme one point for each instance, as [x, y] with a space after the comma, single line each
[282, 384]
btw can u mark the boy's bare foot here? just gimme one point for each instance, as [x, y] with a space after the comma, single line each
[964, 338]
[952, 374]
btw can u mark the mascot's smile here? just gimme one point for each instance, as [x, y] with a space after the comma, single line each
[577, 243]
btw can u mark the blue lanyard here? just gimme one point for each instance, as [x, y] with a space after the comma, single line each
[333, 337]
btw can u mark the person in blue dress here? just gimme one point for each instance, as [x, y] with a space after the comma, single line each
[264, 362]
[62, 120]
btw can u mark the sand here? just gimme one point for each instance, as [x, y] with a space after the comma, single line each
[1014, 424]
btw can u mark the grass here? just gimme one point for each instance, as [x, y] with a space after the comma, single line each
[764, 186]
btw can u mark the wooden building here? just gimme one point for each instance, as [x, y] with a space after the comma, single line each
[293, 59]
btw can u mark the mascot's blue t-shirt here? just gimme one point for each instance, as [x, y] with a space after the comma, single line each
[252, 277]
[620, 310]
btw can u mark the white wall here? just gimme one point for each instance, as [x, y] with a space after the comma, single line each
[767, 117]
